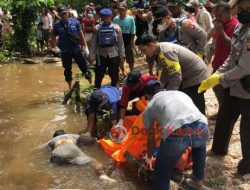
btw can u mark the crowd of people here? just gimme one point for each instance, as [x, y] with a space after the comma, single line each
[5, 23]
[180, 41]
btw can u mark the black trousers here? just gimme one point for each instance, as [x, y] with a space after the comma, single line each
[229, 112]
[113, 68]
[198, 99]
[67, 63]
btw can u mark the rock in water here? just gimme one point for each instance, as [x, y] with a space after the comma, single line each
[244, 186]
[29, 61]
[49, 60]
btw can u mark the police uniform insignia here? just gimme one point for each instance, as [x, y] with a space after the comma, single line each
[248, 43]
[172, 66]
[237, 55]
[162, 61]
[188, 24]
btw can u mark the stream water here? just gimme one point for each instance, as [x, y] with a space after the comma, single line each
[30, 112]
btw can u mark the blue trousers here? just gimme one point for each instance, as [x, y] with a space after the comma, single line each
[172, 148]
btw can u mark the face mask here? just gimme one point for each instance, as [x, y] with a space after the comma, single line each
[244, 17]
[162, 27]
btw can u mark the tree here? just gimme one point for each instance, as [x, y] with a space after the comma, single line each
[24, 14]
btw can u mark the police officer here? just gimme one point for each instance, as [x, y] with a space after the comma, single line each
[234, 75]
[180, 68]
[183, 31]
[71, 41]
[107, 45]
[106, 98]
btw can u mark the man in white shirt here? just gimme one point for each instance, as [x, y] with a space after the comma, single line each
[47, 26]
[182, 125]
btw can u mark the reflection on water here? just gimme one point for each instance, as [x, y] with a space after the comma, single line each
[30, 111]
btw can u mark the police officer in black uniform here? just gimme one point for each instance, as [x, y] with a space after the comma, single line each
[71, 42]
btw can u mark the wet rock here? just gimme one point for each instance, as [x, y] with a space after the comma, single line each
[247, 178]
[29, 61]
[244, 186]
[236, 131]
[49, 60]
[236, 182]
[235, 150]
[235, 162]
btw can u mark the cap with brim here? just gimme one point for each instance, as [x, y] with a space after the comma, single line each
[152, 86]
[97, 99]
[62, 9]
[133, 78]
[122, 5]
[105, 12]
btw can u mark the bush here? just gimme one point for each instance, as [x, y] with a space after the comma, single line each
[5, 50]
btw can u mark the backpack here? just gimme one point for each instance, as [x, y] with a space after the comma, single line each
[179, 25]
[173, 36]
[107, 36]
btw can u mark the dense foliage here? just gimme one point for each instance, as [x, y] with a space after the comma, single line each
[25, 14]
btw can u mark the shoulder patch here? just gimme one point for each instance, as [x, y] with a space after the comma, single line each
[188, 24]
[248, 41]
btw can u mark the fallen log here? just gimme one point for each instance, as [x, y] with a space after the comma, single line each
[77, 91]
[72, 89]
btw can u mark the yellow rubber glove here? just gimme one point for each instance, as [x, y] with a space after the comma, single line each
[200, 54]
[210, 82]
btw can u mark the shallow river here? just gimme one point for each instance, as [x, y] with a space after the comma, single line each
[30, 111]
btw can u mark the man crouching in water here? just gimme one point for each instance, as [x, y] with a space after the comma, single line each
[64, 150]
